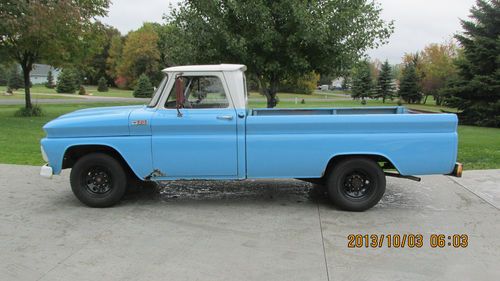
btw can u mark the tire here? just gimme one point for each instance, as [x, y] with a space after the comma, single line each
[98, 180]
[356, 184]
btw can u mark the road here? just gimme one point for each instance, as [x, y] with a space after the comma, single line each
[250, 230]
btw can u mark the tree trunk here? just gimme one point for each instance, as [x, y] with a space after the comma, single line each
[27, 83]
[383, 99]
[425, 99]
[269, 92]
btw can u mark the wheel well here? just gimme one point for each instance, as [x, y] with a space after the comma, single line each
[383, 161]
[74, 153]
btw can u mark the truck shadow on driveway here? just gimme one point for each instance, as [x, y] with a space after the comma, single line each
[284, 191]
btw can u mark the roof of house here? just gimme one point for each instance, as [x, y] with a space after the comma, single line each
[209, 67]
[41, 70]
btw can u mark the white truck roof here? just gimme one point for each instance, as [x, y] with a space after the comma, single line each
[208, 67]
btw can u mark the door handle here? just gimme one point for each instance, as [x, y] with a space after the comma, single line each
[225, 117]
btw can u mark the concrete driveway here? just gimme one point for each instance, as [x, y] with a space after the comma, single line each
[263, 230]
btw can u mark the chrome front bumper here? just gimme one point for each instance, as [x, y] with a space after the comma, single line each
[46, 171]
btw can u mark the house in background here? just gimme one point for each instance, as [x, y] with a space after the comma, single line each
[40, 72]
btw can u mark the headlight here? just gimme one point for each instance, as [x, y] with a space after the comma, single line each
[44, 155]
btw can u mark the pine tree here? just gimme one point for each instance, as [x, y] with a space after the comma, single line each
[409, 89]
[50, 80]
[16, 80]
[477, 90]
[102, 85]
[144, 89]
[385, 86]
[362, 84]
[67, 82]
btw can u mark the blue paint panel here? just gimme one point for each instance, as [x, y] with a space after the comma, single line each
[198, 144]
[136, 150]
[287, 146]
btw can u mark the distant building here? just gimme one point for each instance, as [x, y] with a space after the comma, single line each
[40, 72]
[337, 83]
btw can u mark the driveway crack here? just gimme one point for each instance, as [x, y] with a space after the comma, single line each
[323, 243]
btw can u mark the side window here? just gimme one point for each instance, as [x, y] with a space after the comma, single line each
[200, 92]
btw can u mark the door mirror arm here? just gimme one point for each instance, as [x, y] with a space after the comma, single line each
[179, 94]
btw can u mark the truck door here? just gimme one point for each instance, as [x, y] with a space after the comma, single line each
[198, 139]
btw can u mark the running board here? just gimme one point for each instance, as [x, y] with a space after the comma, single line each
[413, 178]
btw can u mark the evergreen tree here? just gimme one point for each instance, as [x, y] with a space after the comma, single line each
[385, 86]
[362, 84]
[16, 80]
[102, 85]
[477, 90]
[67, 82]
[50, 80]
[4, 75]
[144, 89]
[409, 89]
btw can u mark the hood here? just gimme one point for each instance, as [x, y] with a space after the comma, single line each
[92, 122]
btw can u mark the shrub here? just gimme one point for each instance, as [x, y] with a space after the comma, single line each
[82, 91]
[121, 82]
[67, 81]
[144, 89]
[35, 110]
[102, 85]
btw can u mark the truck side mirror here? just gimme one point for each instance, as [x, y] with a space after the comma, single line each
[179, 95]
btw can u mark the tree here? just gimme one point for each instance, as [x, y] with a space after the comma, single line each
[102, 85]
[144, 88]
[476, 91]
[362, 83]
[140, 55]
[95, 67]
[278, 40]
[67, 81]
[385, 84]
[409, 89]
[114, 56]
[438, 68]
[53, 31]
[50, 80]
[302, 85]
[15, 79]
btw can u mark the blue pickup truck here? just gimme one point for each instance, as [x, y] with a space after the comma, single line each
[198, 126]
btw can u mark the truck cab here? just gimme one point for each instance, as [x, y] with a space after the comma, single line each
[198, 126]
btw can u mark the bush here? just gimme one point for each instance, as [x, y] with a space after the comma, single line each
[67, 81]
[35, 110]
[144, 89]
[121, 82]
[305, 84]
[82, 91]
[102, 85]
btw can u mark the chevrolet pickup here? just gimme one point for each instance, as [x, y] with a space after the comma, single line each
[198, 126]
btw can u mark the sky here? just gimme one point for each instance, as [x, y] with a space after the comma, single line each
[417, 22]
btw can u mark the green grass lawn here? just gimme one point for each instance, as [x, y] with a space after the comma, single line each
[479, 148]
[41, 89]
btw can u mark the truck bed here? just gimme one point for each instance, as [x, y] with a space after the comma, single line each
[329, 111]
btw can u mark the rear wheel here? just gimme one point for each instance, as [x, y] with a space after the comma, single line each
[356, 184]
[98, 180]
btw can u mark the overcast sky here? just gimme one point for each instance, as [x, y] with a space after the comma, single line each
[417, 22]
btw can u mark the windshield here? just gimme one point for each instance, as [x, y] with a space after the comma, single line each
[159, 90]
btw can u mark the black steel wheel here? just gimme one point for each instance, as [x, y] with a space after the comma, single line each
[356, 184]
[98, 180]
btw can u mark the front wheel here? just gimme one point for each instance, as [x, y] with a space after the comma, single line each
[98, 180]
[356, 184]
